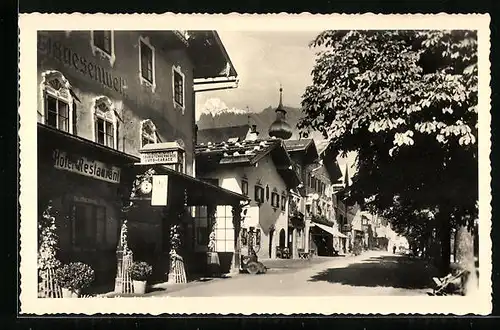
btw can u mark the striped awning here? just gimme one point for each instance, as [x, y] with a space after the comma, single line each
[331, 230]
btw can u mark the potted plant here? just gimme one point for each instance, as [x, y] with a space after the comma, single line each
[74, 277]
[139, 272]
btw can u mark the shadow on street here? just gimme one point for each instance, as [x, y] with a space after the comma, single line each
[384, 271]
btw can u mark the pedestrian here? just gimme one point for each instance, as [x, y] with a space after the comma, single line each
[394, 249]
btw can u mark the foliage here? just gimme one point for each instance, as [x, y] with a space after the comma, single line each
[47, 240]
[175, 237]
[140, 271]
[75, 276]
[406, 103]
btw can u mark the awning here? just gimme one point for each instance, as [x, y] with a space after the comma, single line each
[331, 230]
[198, 192]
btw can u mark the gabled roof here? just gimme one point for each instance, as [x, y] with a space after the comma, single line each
[297, 145]
[321, 145]
[329, 160]
[209, 55]
[306, 147]
[248, 153]
[220, 134]
[231, 152]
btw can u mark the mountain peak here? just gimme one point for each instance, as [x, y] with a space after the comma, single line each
[215, 106]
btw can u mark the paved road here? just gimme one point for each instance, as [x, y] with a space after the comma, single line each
[372, 273]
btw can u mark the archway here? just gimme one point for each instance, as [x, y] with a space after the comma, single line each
[282, 238]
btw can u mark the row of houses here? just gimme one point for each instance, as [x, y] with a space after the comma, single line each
[117, 141]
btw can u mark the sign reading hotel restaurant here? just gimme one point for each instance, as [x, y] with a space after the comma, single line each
[81, 165]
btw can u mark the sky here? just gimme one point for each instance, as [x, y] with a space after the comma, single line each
[264, 60]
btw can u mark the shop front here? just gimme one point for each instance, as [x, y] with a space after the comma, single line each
[95, 190]
[84, 183]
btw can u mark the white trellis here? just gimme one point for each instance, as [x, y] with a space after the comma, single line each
[123, 282]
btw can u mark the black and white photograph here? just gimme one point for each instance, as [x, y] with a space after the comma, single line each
[255, 164]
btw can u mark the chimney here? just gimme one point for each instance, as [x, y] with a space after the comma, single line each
[252, 134]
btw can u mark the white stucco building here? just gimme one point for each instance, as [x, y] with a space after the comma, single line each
[260, 169]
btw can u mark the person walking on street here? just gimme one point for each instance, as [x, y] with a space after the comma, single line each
[394, 249]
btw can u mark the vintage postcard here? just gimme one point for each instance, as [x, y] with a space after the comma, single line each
[268, 164]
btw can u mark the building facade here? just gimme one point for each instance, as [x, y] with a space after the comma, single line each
[105, 97]
[259, 169]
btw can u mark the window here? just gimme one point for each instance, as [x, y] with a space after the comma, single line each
[57, 101]
[283, 202]
[103, 40]
[105, 122]
[244, 187]
[259, 194]
[201, 228]
[104, 133]
[102, 43]
[275, 200]
[146, 54]
[178, 86]
[224, 230]
[148, 132]
[88, 225]
[57, 113]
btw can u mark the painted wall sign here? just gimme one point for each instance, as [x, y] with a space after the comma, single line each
[81, 165]
[74, 60]
[160, 157]
[159, 196]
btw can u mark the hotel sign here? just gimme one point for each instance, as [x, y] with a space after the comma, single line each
[78, 62]
[160, 157]
[83, 166]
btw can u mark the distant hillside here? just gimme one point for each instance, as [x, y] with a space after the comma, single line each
[262, 119]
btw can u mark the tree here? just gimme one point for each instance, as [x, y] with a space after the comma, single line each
[406, 103]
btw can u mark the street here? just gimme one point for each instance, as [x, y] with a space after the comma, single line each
[372, 273]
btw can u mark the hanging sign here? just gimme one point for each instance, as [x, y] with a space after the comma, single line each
[159, 195]
[160, 157]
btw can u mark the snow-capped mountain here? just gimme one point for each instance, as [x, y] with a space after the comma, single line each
[215, 113]
[215, 106]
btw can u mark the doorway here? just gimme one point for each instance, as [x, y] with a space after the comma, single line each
[271, 235]
[282, 238]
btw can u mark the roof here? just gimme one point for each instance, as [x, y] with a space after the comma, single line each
[306, 148]
[48, 135]
[198, 192]
[230, 152]
[220, 134]
[247, 153]
[209, 55]
[297, 145]
[321, 145]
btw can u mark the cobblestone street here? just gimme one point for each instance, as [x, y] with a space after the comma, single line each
[372, 273]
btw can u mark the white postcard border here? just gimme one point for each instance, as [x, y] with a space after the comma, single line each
[30, 304]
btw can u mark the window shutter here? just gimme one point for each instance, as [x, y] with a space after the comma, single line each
[74, 118]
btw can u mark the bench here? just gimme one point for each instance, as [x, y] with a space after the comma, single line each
[305, 255]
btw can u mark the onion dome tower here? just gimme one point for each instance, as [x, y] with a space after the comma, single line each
[280, 128]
